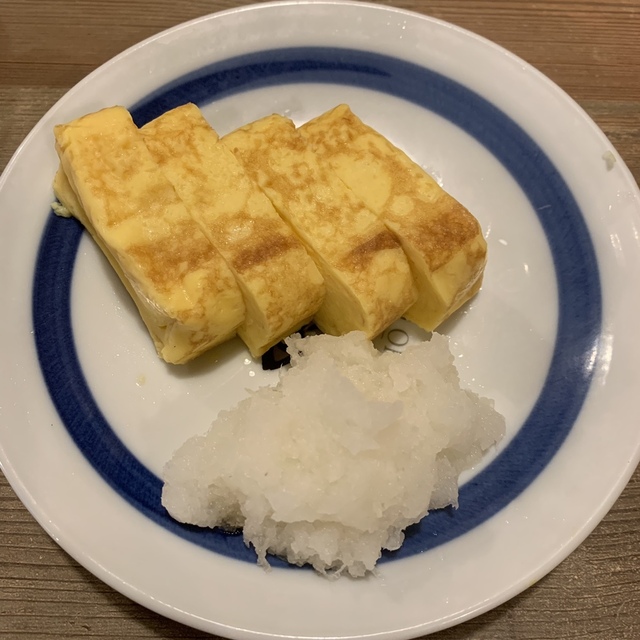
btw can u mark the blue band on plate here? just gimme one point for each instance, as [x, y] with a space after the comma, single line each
[576, 347]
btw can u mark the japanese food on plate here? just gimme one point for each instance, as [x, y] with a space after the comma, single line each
[256, 234]
[267, 228]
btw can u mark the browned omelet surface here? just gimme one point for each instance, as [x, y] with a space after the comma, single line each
[281, 284]
[442, 239]
[267, 228]
[367, 276]
[184, 289]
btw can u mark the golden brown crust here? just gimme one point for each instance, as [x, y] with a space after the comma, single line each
[281, 285]
[367, 276]
[441, 237]
[263, 229]
[193, 300]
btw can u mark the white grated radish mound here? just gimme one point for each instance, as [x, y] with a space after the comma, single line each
[350, 448]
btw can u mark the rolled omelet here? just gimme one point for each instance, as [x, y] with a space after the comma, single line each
[182, 286]
[441, 238]
[367, 277]
[281, 284]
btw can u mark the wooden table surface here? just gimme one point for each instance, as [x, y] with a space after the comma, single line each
[590, 48]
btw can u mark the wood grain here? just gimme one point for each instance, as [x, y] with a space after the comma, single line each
[590, 48]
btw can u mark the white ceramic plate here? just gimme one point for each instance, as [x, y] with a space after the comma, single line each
[89, 414]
